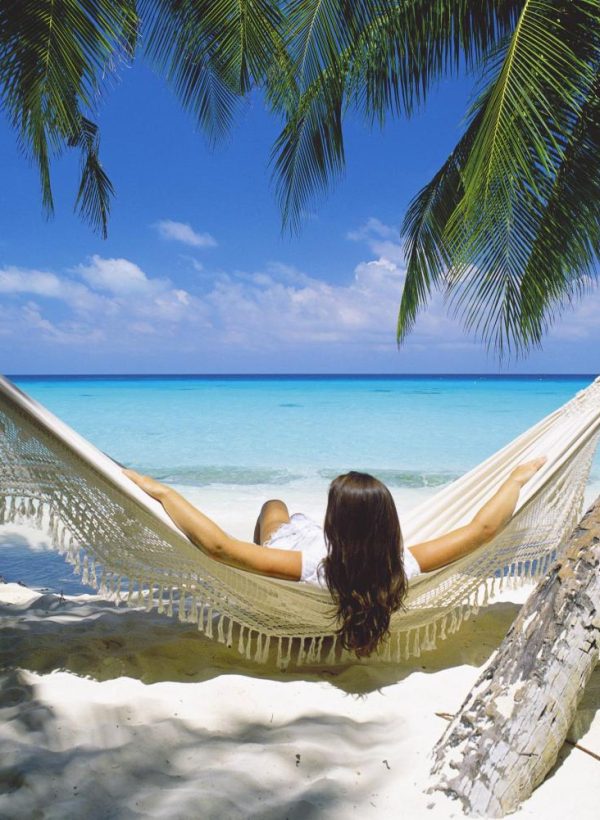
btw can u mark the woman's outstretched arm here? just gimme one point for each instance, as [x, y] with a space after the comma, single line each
[207, 535]
[487, 523]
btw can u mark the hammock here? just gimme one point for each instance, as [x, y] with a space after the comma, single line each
[123, 543]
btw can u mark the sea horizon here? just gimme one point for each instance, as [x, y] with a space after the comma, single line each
[316, 376]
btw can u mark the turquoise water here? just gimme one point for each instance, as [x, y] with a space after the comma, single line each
[231, 442]
[252, 430]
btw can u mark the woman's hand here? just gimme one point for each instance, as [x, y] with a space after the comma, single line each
[524, 472]
[148, 484]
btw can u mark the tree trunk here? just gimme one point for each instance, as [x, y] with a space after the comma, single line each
[508, 732]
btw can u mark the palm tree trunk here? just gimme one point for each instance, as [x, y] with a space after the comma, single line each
[508, 732]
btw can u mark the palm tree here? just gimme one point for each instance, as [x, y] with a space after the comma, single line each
[509, 227]
[58, 57]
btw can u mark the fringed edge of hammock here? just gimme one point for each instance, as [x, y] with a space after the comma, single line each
[251, 643]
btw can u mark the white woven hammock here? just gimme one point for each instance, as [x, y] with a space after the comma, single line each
[122, 542]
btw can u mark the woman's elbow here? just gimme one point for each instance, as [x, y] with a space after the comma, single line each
[217, 548]
[483, 531]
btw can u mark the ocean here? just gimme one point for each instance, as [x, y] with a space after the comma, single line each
[231, 442]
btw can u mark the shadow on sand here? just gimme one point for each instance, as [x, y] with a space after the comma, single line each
[118, 767]
[94, 638]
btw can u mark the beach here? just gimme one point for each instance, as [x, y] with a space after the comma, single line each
[113, 712]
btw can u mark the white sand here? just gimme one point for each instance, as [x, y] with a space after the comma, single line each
[148, 718]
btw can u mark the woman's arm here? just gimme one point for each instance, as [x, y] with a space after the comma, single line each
[487, 523]
[216, 542]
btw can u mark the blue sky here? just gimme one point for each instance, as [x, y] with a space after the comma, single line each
[196, 275]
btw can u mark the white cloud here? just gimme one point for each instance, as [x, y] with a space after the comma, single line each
[69, 333]
[117, 299]
[183, 232]
[118, 276]
[373, 229]
[14, 280]
[577, 322]
[276, 309]
[381, 239]
[283, 307]
[196, 265]
[580, 321]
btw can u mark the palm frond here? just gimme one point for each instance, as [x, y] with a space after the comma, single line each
[539, 83]
[563, 262]
[404, 51]
[212, 52]
[378, 57]
[95, 188]
[319, 31]
[180, 46]
[249, 35]
[423, 230]
[309, 152]
[55, 58]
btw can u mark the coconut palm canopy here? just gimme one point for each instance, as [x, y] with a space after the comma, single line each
[509, 227]
[58, 58]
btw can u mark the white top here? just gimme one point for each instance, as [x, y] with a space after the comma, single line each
[306, 536]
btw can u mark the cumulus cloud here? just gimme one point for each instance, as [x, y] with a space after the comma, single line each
[118, 276]
[277, 308]
[14, 280]
[284, 307]
[183, 232]
[577, 321]
[373, 229]
[381, 239]
[265, 310]
[68, 333]
[115, 299]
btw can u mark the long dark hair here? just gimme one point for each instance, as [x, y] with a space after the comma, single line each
[364, 569]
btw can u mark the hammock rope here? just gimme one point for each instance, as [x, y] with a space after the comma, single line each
[123, 543]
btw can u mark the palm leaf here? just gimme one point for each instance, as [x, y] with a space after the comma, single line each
[95, 188]
[378, 57]
[522, 241]
[309, 152]
[319, 31]
[180, 46]
[564, 256]
[212, 52]
[248, 36]
[537, 88]
[423, 230]
[55, 58]
[407, 48]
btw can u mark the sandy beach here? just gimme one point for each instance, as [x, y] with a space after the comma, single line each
[115, 713]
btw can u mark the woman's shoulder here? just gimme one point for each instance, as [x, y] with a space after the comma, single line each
[411, 565]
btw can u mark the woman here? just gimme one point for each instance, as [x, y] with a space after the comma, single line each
[358, 555]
